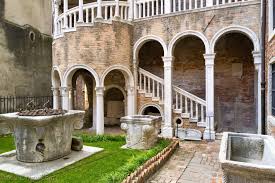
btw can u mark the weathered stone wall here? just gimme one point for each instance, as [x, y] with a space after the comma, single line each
[99, 47]
[37, 13]
[25, 52]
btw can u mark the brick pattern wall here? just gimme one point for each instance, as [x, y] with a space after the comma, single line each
[99, 47]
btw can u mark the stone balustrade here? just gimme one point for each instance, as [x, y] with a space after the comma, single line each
[86, 14]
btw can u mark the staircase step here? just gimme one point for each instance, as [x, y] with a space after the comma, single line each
[177, 111]
[141, 91]
[155, 99]
[201, 124]
[149, 95]
[194, 120]
[185, 115]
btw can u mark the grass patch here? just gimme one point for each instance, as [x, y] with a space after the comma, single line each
[111, 165]
[6, 143]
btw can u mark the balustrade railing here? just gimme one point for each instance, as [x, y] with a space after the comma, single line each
[16, 103]
[142, 9]
[184, 102]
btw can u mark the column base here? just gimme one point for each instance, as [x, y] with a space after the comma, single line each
[167, 132]
[209, 135]
[99, 19]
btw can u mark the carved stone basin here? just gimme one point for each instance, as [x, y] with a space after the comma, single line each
[42, 138]
[247, 158]
[142, 130]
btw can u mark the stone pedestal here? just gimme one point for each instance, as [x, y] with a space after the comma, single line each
[43, 138]
[142, 130]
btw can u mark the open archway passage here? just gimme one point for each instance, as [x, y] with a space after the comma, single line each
[189, 66]
[114, 105]
[57, 87]
[114, 99]
[234, 84]
[83, 88]
[151, 110]
[150, 58]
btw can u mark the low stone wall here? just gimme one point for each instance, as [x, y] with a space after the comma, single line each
[144, 172]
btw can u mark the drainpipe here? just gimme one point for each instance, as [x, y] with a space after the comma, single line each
[263, 35]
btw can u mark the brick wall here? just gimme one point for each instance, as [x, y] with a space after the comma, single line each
[98, 46]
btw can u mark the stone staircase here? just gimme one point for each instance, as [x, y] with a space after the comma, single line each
[186, 106]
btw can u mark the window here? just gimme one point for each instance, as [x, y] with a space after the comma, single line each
[273, 90]
[271, 22]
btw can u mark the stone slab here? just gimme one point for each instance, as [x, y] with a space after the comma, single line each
[188, 134]
[35, 171]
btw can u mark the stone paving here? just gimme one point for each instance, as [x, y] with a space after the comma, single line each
[193, 162]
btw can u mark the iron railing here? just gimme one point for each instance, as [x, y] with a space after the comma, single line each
[17, 103]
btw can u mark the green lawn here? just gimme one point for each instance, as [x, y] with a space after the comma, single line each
[99, 168]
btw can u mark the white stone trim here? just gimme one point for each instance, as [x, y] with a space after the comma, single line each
[71, 70]
[139, 43]
[236, 28]
[187, 33]
[144, 106]
[271, 31]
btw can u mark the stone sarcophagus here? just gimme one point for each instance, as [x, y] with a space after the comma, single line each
[142, 130]
[42, 138]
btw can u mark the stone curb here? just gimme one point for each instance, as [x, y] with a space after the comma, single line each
[142, 173]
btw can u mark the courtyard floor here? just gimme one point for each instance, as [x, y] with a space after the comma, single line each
[193, 162]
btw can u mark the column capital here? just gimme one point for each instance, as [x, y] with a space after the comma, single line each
[57, 2]
[257, 57]
[99, 90]
[168, 61]
[130, 90]
[209, 59]
[55, 91]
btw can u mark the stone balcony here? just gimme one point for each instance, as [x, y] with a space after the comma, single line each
[131, 11]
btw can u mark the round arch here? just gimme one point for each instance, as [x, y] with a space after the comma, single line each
[70, 71]
[129, 78]
[55, 84]
[181, 35]
[141, 110]
[236, 29]
[146, 39]
[117, 87]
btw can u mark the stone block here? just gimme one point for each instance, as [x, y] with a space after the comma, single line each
[188, 134]
[77, 144]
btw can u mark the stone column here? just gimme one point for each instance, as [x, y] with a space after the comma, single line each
[131, 10]
[94, 108]
[56, 12]
[55, 98]
[130, 100]
[258, 71]
[167, 6]
[209, 132]
[65, 98]
[65, 9]
[99, 9]
[80, 18]
[99, 110]
[167, 130]
[71, 98]
[135, 65]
